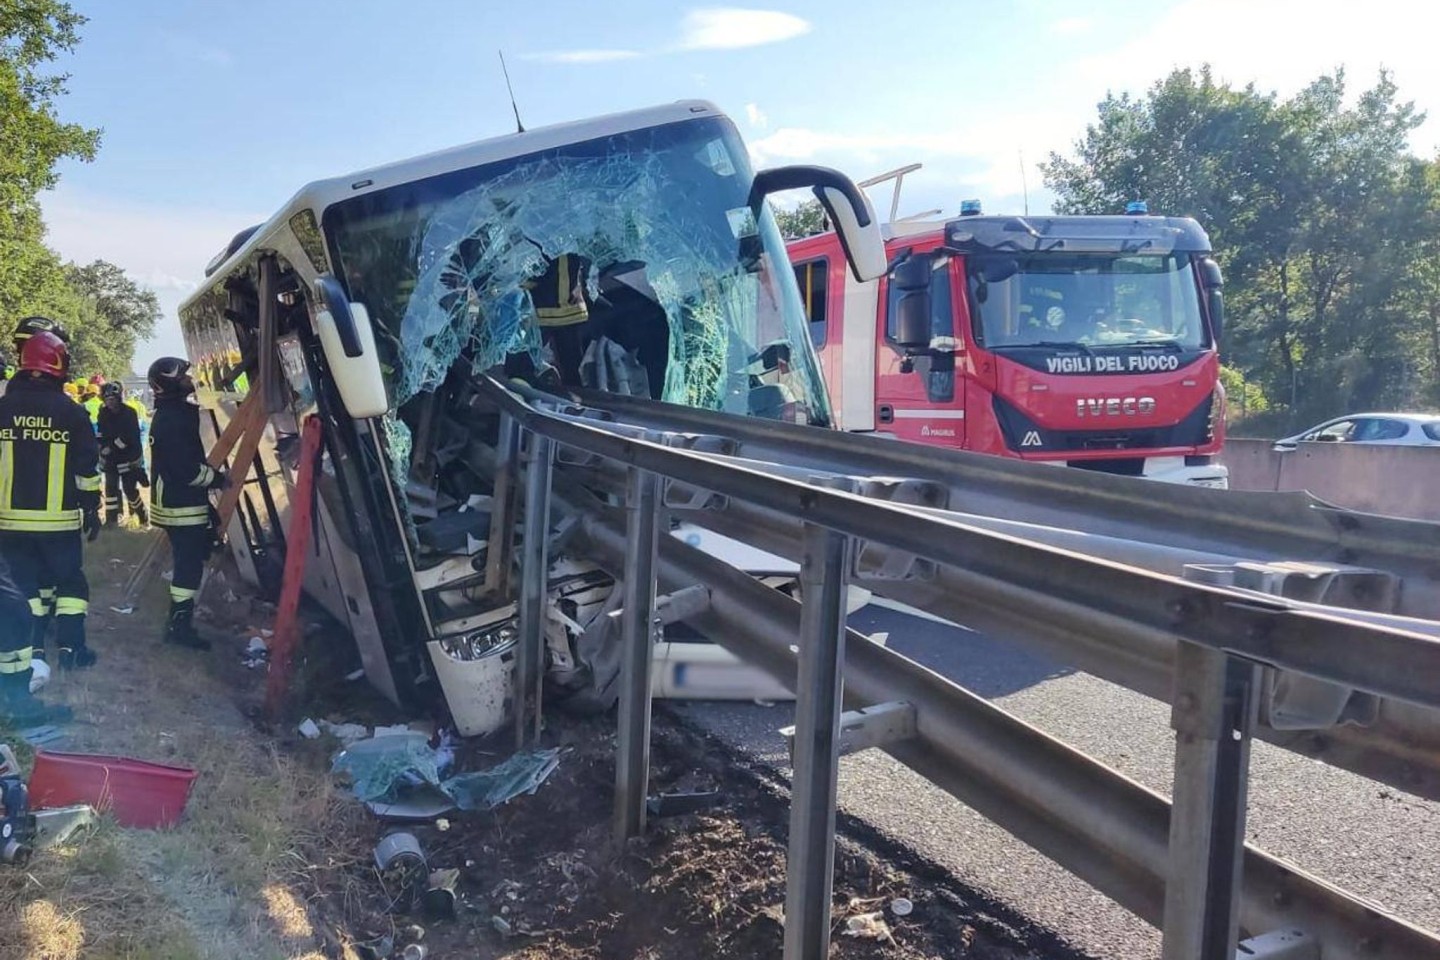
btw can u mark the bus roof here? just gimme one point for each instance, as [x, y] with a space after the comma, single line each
[321, 193]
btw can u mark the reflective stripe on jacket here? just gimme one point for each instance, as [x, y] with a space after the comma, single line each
[48, 459]
[180, 490]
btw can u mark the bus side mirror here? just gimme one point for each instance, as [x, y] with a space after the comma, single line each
[1214, 283]
[845, 205]
[348, 341]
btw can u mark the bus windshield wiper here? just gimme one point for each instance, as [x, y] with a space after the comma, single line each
[1168, 342]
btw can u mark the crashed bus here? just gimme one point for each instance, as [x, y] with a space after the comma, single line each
[632, 253]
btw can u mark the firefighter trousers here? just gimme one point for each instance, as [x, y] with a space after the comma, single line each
[49, 571]
[189, 546]
[123, 477]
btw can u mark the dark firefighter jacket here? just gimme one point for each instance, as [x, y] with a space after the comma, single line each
[119, 431]
[48, 458]
[179, 495]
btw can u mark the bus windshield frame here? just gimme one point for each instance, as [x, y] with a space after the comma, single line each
[650, 239]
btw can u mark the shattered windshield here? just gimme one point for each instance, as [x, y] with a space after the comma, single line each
[630, 263]
[1094, 300]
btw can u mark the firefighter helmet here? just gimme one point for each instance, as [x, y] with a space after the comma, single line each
[45, 353]
[169, 377]
[111, 391]
[30, 326]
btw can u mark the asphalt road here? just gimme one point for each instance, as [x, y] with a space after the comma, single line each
[1351, 831]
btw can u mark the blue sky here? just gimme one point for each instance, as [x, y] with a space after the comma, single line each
[214, 114]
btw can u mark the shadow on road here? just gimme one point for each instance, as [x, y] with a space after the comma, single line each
[978, 664]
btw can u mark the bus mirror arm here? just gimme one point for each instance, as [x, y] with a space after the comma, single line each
[332, 296]
[846, 206]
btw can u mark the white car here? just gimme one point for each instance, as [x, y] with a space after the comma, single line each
[1406, 429]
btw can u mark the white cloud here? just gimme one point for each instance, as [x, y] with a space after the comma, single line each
[1069, 26]
[162, 248]
[583, 56]
[756, 116]
[730, 28]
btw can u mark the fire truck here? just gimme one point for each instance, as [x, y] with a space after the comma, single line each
[1082, 340]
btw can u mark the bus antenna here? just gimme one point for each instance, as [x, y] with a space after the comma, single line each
[1024, 183]
[519, 127]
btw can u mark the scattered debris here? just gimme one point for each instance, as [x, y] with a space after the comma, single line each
[308, 729]
[487, 789]
[378, 949]
[124, 611]
[902, 907]
[354, 675]
[47, 736]
[403, 871]
[54, 827]
[442, 824]
[346, 733]
[39, 675]
[678, 804]
[256, 653]
[868, 926]
[501, 925]
[414, 951]
[439, 897]
[382, 765]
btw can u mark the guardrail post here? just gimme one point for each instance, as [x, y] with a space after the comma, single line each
[810, 867]
[1213, 714]
[502, 509]
[534, 582]
[637, 646]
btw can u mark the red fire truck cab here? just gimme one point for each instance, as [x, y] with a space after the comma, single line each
[1088, 341]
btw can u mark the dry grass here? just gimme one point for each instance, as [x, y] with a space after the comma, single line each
[235, 877]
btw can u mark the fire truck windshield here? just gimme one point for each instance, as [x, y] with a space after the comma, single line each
[1087, 300]
[630, 262]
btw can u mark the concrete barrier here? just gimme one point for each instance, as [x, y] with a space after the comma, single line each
[1375, 478]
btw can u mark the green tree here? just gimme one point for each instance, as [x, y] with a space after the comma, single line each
[804, 220]
[1320, 217]
[33, 141]
[114, 314]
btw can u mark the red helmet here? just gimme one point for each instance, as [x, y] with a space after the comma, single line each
[45, 353]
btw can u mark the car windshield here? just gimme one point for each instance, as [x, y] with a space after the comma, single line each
[630, 262]
[1093, 300]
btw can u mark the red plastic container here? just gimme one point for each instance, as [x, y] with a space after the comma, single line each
[140, 793]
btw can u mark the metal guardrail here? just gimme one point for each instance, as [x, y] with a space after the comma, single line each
[1179, 865]
[1106, 517]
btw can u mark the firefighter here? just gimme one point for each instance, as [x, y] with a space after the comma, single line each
[19, 707]
[90, 400]
[118, 427]
[49, 494]
[180, 494]
[24, 330]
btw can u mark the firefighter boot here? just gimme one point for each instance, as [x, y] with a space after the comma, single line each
[180, 628]
[19, 708]
[139, 512]
[70, 638]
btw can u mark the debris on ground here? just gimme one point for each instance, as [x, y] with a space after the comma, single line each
[522, 773]
[346, 733]
[257, 653]
[124, 611]
[39, 675]
[681, 803]
[902, 907]
[56, 826]
[381, 767]
[308, 729]
[870, 926]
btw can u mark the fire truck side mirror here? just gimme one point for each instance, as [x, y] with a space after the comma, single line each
[1214, 283]
[912, 320]
[348, 341]
[846, 206]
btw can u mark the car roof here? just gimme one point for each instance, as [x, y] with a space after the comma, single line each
[1408, 417]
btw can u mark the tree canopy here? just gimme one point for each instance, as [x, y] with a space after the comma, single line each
[105, 312]
[1326, 225]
